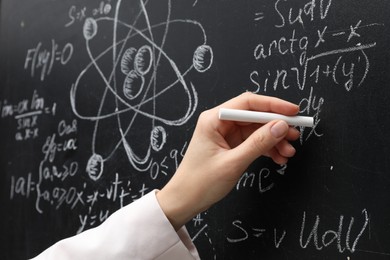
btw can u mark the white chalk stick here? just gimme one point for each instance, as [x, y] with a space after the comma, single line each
[263, 117]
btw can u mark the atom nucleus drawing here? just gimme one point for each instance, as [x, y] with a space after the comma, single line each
[135, 65]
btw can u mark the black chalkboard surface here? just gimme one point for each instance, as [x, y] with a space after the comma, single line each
[98, 101]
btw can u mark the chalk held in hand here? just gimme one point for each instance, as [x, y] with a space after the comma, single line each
[263, 117]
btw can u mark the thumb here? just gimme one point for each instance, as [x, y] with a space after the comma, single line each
[261, 141]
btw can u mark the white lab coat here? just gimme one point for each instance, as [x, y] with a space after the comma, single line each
[138, 231]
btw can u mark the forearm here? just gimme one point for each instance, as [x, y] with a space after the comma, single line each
[137, 231]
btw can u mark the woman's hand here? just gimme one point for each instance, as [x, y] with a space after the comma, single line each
[219, 153]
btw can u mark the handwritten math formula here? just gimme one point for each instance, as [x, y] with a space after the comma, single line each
[44, 58]
[346, 67]
[26, 114]
[340, 237]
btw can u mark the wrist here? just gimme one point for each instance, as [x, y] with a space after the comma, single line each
[175, 205]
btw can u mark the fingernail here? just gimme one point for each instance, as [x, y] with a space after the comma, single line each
[279, 129]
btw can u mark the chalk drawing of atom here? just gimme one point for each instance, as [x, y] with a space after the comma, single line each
[138, 72]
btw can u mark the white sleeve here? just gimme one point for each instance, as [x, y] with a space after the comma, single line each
[138, 231]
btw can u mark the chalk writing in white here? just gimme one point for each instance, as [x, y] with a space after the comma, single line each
[26, 114]
[45, 59]
[342, 238]
[346, 67]
[77, 13]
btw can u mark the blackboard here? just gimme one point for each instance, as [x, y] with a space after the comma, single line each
[98, 101]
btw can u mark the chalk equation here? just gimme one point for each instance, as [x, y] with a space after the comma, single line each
[344, 237]
[26, 113]
[80, 13]
[45, 58]
[346, 67]
[46, 184]
[262, 181]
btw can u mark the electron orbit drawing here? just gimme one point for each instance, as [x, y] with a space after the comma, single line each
[135, 68]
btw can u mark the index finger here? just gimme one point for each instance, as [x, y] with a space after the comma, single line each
[254, 102]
